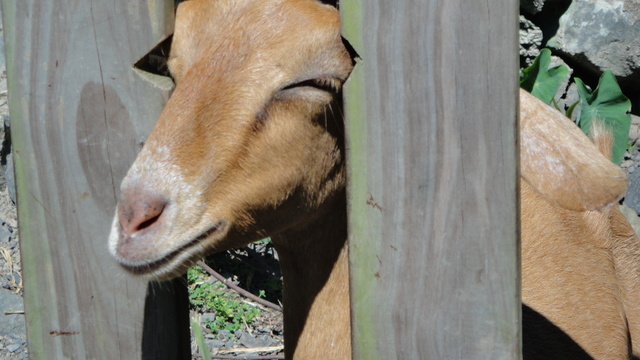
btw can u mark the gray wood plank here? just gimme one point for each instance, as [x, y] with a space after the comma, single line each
[79, 114]
[432, 126]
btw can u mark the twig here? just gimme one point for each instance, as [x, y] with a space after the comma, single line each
[14, 312]
[235, 287]
[258, 349]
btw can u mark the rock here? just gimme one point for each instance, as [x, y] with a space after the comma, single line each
[567, 93]
[632, 199]
[13, 347]
[249, 341]
[634, 131]
[535, 6]
[5, 235]
[224, 335]
[214, 344]
[601, 35]
[530, 41]
[532, 6]
[632, 217]
[268, 340]
[207, 317]
[14, 323]
[10, 178]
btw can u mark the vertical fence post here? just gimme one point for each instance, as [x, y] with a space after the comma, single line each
[431, 112]
[79, 114]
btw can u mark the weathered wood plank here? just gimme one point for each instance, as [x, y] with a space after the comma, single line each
[432, 126]
[79, 114]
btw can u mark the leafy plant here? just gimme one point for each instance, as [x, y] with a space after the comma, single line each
[540, 80]
[606, 103]
[230, 313]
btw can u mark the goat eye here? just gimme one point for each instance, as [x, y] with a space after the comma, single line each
[321, 88]
[326, 84]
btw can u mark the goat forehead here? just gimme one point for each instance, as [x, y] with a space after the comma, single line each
[243, 28]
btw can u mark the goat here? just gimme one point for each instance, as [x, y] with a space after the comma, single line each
[580, 256]
[251, 145]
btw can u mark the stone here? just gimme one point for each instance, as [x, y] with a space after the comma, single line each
[223, 335]
[5, 235]
[632, 198]
[249, 341]
[214, 344]
[532, 6]
[634, 131]
[601, 35]
[10, 178]
[632, 217]
[208, 317]
[13, 323]
[530, 41]
[268, 340]
[567, 92]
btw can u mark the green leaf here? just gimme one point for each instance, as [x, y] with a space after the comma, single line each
[608, 105]
[571, 109]
[541, 81]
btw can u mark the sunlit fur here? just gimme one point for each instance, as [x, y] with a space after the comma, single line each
[580, 256]
[251, 144]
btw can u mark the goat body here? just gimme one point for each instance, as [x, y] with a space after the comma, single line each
[251, 145]
[580, 256]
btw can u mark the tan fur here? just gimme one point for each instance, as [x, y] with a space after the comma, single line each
[239, 153]
[580, 257]
[556, 156]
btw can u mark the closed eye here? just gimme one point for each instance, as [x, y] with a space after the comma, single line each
[323, 89]
[319, 91]
[331, 85]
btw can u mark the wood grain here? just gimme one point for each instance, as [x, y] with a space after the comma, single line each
[79, 115]
[431, 114]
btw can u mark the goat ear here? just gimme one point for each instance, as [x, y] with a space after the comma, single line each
[561, 163]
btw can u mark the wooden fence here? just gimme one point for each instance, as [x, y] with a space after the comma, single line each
[79, 114]
[432, 126]
[431, 119]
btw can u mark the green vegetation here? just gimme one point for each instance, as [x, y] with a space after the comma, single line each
[540, 80]
[230, 312]
[606, 104]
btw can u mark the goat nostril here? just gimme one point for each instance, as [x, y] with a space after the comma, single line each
[145, 224]
[137, 214]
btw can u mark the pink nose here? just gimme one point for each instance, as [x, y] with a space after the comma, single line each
[139, 210]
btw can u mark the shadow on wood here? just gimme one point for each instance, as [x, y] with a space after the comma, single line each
[166, 334]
